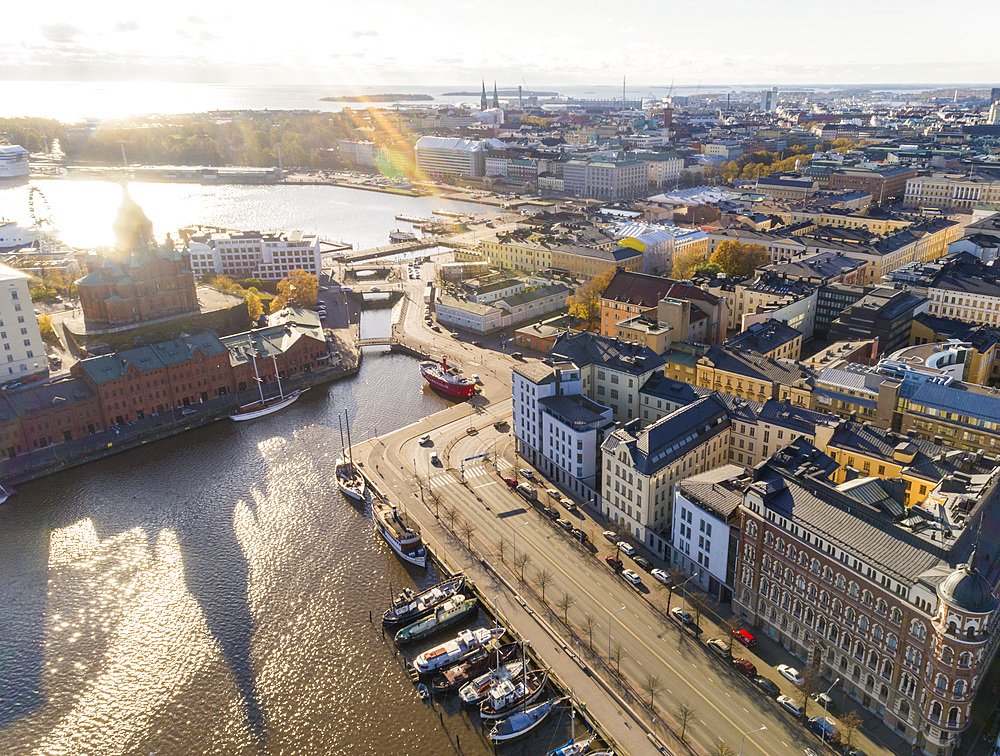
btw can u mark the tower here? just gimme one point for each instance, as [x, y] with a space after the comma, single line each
[482, 101]
[520, 102]
[496, 99]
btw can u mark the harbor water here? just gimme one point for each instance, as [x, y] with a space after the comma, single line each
[211, 593]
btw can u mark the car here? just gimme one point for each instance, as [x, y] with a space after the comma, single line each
[767, 685]
[319, 303]
[425, 439]
[745, 637]
[626, 548]
[632, 577]
[681, 616]
[745, 667]
[376, 289]
[610, 535]
[790, 673]
[565, 524]
[500, 424]
[324, 288]
[825, 728]
[526, 473]
[436, 328]
[511, 482]
[644, 563]
[434, 458]
[346, 290]
[579, 535]
[852, 751]
[662, 576]
[787, 702]
[570, 506]
[552, 492]
[551, 512]
[476, 378]
[188, 411]
[823, 700]
[477, 344]
[718, 646]
[615, 564]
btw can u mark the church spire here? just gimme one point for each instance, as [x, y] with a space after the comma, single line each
[496, 99]
[482, 102]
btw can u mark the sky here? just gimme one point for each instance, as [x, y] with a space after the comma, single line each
[548, 43]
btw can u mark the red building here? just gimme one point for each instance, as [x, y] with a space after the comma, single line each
[47, 413]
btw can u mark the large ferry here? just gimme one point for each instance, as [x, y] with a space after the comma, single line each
[13, 236]
[448, 380]
[13, 161]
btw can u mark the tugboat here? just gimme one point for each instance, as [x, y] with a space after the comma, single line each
[459, 648]
[410, 607]
[447, 380]
[451, 612]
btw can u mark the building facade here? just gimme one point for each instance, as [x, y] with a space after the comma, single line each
[20, 337]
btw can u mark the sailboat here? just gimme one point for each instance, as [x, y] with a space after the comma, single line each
[521, 723]
[349, 480]
[573, 747]
[265, 406]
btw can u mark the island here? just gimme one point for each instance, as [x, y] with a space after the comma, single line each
[379, 98]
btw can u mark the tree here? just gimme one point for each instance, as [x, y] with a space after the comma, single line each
[254, 307]
[466, 530]
[563, 604]
[684, 264]
[697, 606]
[521, 561]
[737, 258]
[544, 579]
[722, 748]
[501, 548]
[707, 269]
[225, 283]
[730, 171]
[677, 576]
[652, 687]
[684, 713]
[810, 684]
[589, 625]
[299, 290]
[618, 653]
[451, 517]
[48, 332]
[849, 723]
[586, 302]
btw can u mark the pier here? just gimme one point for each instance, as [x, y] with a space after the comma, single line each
[390, 249]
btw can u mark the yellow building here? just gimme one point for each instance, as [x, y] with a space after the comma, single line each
[980, 342]
[843, 220]
[517, 254]
[752, 376]
[591, 262]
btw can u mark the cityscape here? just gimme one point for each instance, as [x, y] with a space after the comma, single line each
[611, 418]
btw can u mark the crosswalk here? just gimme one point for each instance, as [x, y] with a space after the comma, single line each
[472, 473]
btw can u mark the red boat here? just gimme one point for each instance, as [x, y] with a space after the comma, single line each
[447, 380]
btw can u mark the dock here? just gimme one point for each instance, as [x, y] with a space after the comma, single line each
[387, 251]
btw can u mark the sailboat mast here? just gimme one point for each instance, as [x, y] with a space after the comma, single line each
[253, 356]
[341, 424]
[276, 376]
[347, 422]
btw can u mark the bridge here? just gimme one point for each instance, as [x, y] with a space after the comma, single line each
[392, 249]
[376, 341]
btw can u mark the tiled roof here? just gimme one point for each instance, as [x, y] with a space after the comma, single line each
[757, 366]
[584, 348]
[647, 290]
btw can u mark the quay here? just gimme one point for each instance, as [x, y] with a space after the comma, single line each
[392, 249]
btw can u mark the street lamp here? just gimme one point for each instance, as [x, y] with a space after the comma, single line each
[610, 616]
[684, 592]
[759, 729]
[826, 696]
[514, 545]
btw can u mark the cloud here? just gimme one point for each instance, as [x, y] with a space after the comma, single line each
[127, 26]
[60, 33]
[364, 33]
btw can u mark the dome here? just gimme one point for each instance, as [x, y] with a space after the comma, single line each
[968, 591]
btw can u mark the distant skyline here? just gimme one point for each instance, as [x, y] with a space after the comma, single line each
[436, 43]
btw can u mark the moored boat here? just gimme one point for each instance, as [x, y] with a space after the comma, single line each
[447, 380]
[474, 692]
[451, 612]
[399, 532]
[507, 696]
[573, 748]
[456, 650]
[455, 677]
[409, 606]
[349, 479]
[400, 237]
[266, 407]
[520, 723]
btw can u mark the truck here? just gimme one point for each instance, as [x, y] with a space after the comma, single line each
[429, 293]
[825, 728]
[527, 491]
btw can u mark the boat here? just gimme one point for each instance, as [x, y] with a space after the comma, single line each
[455, 677]
[447, 380]
[520, 723]
[474, 692]
[409, 606]
[507, 696]
[451, 612]
[350, 481]
[423, 692]
[573, 748]
[13, 236]
[456, 650]
[13, 161]
[5, 494]
[399, 532]
[449, 213]
[401, 237]
[265, 406]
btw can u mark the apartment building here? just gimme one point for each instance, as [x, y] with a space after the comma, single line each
[882, 184]
[592, 262]
[253, 254]
[883, 313]
[512, 253]
[771, 296]
[749, 375]
[20, 337]
[606, 179]
[444, 157]
[770, 338]
[965, 288]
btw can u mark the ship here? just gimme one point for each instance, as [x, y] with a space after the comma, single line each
[13, 236]
[13, 162]
[399, 532]
[507, 696]
[458, 649]
[350, 481]
[447, 380]
[410, 607]
[256, 409]
[401, 237]
[454, 678]
[451, 612]
[520, 723]
[475, 691]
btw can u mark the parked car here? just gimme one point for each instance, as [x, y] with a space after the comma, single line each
[632, 577]
[476, 378]
[662, 576]
[552, 492]
[767, 685]
[745, 637]
[511, 482]
[526, 472]
[434, 458]
[823, 700]
[570, 506]
[425, 439]
[579, 535]
[825, 728]
[610, 535]
[681, 616]
[718, 646]
[626, 548]
[551, 512]
[615, 564]
[745, 667]
[644, 563]
[499, 424]
[787, 702]
[790, 673]
[565, 524]
[477, 344]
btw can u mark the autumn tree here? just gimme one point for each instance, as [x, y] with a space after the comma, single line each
[254, 306]
[722, 748]
[685, 263]
[225, 283]
[737, 258]
[585, 304]
[299, 290]
[48, 332]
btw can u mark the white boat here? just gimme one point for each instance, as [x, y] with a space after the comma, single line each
[4, 494]
[423, 692]
[401, 237]
[13, 236]
[451, 652]
[573, 748]
[265, 406]
[350, 481]
[399, 532]
[474, 691]
[520, 723]
[507, 696]
[13, 161]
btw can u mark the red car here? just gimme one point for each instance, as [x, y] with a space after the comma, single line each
[512, 482]
[745, 637]
[615, 564]
[745, 667]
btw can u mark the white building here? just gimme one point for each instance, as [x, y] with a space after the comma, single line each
[510, 310]
[606, 178]
[21, 340]
[443, 157]
[360, 154]
[251, 254]
[557, 429]
[13, 161]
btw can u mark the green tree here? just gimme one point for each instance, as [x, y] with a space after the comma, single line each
[707, 269]
[737, 258]
[586, 302]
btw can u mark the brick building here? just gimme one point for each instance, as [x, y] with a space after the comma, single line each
[47, 413]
